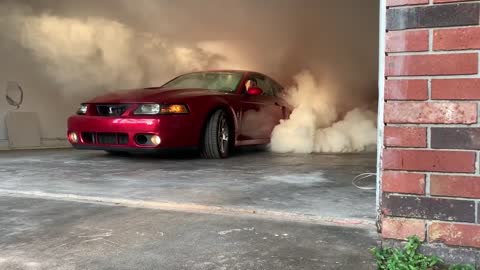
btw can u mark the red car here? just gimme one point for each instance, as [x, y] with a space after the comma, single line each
[211, 111]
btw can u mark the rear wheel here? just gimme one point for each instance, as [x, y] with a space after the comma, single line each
[216, 139]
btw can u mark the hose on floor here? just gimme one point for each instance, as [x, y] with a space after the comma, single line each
[361, 177]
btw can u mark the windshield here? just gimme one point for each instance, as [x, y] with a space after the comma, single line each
[220, 81]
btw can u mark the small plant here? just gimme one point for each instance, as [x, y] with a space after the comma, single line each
[406, 259]
[410, 259]
[461, 267]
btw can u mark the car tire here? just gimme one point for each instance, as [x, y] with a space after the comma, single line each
[216, 139]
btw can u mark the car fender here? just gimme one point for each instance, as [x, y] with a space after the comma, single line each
[206, 106]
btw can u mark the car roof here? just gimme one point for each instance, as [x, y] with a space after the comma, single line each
[220, 70]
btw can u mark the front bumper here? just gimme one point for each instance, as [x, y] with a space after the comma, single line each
[175, 131]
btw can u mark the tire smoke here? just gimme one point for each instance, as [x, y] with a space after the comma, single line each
[314, 126]
[66, 52]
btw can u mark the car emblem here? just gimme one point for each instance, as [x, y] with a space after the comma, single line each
[110, 110]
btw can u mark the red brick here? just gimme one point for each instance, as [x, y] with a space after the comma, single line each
[392, 3]
[455, 138]
[455, 186]
[429, 161]
[407, 41]
[401, 228]
[398, 182]
[437, 64]
[405, 137]
[430, 113]
[456, 39]
[450, 1]
[465, 235]
[406, 89]
[459, 89]
[429, 208]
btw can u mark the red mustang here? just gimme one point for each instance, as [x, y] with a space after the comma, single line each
[211, 111]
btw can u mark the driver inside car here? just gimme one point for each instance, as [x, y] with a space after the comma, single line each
[250, 83]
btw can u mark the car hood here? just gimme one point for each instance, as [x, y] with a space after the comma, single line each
[152, 95]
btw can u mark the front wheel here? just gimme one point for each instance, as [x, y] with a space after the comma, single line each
[216, 139]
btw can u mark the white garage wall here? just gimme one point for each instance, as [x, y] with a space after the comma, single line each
[49, 108]
[3, 131]
[40, 94]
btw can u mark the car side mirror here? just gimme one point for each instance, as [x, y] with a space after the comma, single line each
[254, 91]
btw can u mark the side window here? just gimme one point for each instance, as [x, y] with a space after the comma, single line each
[277, 89]
[265, 84]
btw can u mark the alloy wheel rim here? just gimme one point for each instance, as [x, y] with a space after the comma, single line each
[223, 138]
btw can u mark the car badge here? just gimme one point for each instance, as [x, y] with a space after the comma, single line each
[110, 110]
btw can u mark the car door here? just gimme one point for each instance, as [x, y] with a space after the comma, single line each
[260, 114]
[280, 99]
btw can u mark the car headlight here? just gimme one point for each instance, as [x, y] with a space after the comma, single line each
[148, 109]
[152, 109]
[83, 109]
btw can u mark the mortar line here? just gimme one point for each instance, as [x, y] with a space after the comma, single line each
[430, 3]
[477, 163]
[429, 138]
[435, 28]
[416, 196]
[426, 77]
[429, 89]
[476, 212]
[427, 228]
[434, 173]
[435, 125]
[427, 185]
[430, 40]
[431, 52]
[479, 64]
[441, 101]
[448, 101]
[435, 150]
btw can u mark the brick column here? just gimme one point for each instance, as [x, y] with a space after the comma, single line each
[430, 172]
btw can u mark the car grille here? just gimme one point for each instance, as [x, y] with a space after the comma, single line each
[111, 110]
[105, 138]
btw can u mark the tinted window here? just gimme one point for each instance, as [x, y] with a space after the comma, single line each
[221, 81]
[277, 89]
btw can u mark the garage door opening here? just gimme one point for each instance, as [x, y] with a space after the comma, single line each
[325, 53]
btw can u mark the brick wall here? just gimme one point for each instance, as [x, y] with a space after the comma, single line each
[430, 171]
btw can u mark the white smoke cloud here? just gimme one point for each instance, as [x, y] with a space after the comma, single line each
[313, 126]
[68, 51]
[93, 53]
[81, 53]
[355, 133]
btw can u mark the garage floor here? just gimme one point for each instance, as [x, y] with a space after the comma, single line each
[312, 185]
[257, 210]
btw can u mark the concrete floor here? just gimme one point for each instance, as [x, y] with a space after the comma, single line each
[64, 209]
[310, 185]
[39, 234]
